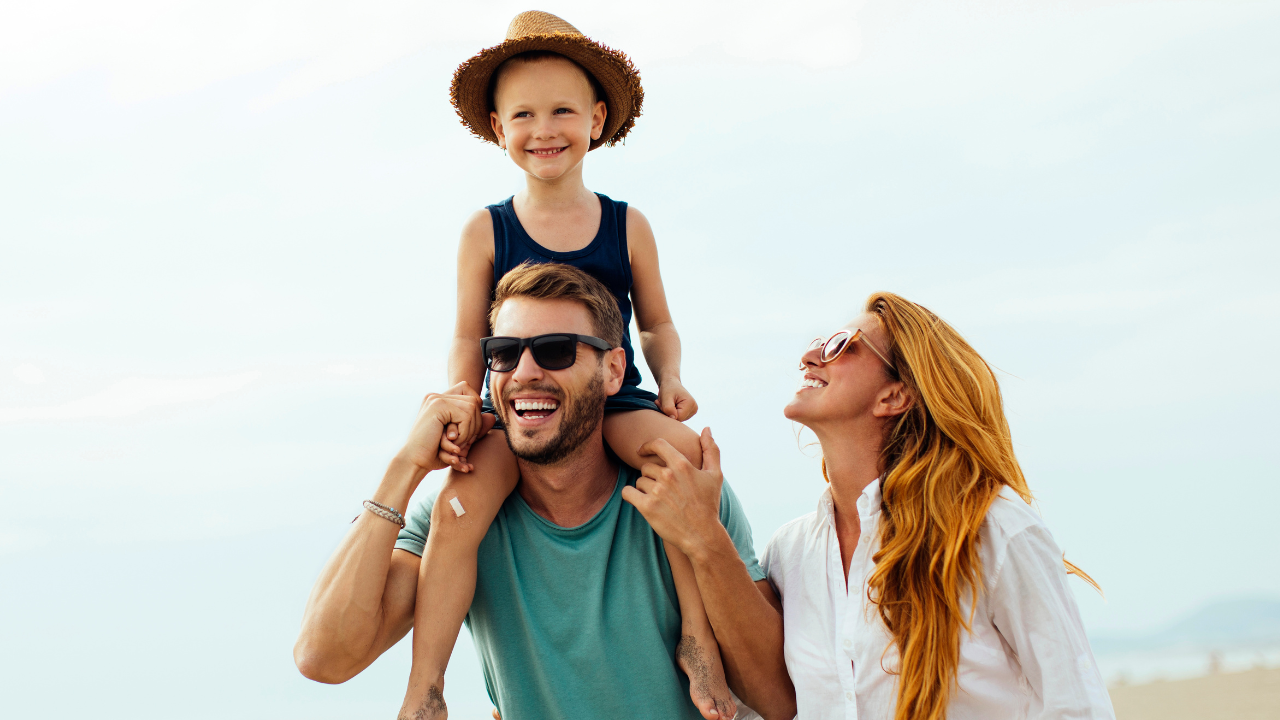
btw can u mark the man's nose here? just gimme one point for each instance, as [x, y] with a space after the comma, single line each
[527, 369]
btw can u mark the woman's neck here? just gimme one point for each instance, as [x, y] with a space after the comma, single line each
[852, 457]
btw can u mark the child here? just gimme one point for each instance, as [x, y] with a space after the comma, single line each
[547, 96]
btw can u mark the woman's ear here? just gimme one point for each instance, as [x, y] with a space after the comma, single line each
[893, 400]
[598, 115]
[496, 124]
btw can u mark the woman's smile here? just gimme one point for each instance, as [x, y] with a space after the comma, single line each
[811, 381]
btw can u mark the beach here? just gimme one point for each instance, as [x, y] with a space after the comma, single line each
[1246, 695]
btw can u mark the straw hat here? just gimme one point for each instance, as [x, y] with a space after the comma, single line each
[536, 30]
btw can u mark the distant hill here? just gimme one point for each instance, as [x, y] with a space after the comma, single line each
[1234, 623]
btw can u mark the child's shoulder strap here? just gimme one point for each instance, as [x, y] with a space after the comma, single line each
[502, 215]
[614, 215]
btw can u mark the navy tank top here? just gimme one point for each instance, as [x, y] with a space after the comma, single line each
[605, 258]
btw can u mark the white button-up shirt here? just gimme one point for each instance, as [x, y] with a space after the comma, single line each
[1026, 657]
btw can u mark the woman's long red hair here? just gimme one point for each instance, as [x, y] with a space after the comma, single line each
[946, 460]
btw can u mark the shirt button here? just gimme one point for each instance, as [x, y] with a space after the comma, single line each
[847, 644]
[848, 696]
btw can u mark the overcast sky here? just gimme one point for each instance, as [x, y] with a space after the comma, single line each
[227, 242]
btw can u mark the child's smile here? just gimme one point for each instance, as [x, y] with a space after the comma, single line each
[547, 152]
[546, 116]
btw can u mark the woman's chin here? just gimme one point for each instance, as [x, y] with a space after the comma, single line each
[794, 410]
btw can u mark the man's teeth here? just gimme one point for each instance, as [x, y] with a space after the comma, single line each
[536, 405]
[812, 383]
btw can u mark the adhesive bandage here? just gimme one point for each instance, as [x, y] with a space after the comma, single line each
[457, 506]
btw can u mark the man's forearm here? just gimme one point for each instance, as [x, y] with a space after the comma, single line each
[747, 627]
[349, 617]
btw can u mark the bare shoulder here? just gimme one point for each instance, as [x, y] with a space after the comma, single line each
[640, 241]
[477, 233]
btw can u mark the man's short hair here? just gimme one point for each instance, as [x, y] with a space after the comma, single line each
[556, 281]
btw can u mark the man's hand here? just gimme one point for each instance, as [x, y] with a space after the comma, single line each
[681, 502]
[676, 402]
[448, 423]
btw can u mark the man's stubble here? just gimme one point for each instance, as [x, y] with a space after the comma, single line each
[580, 420]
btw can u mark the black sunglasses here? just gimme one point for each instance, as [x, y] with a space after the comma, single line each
[553, 351]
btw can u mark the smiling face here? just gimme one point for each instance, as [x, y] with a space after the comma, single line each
[855, 386]
[546, 115]
[550, 413]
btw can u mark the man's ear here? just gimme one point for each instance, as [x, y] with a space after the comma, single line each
[496, 124]
[615, 370]
[598, 115]
[893, 400]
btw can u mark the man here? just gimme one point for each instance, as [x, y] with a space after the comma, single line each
[575, 613]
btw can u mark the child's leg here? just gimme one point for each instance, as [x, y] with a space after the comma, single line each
[447, 573]
[697, 654]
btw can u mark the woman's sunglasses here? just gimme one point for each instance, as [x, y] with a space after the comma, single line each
[554, 351]
[833, 347]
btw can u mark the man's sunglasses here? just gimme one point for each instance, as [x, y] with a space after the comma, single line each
[833, 347]
[553, 351]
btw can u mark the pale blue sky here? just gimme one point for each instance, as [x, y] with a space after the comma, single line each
[227, 237]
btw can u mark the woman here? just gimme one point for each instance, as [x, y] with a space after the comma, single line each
[925, 586]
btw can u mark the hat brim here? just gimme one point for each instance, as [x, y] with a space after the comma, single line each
[619, 78]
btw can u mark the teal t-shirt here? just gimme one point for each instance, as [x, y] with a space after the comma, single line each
[580, 622]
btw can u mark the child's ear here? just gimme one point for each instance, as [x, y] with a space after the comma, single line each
[597, 119]
[496, 124]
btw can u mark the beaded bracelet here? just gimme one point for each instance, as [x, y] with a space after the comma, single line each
[382, 511]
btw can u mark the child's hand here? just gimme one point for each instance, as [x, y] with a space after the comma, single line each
[676, 402]
[456, 441]
[455, 412]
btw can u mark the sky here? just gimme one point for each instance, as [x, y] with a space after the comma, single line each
[227, 244]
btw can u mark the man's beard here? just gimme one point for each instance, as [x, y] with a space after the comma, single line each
[580, 420]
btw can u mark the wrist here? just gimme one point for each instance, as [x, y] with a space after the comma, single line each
[708, 546]
[399, 482]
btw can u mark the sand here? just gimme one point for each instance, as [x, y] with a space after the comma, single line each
[1248, 695]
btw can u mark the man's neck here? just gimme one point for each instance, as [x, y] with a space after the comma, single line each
[573, 490]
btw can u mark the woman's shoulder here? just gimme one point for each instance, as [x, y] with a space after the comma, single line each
[1009, 514]
[1012, 520]
[789, 542]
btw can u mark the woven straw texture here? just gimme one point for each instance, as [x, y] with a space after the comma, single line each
[536, 30]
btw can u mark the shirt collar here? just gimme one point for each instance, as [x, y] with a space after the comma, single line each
[868, 503]
[826, 506]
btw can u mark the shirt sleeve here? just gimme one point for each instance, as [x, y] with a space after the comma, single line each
[417, 523]
[1035, 612]
[735, 521]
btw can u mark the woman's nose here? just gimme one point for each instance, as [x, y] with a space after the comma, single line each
[811, 358]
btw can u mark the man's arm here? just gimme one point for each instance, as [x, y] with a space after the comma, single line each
[363, 601]
[682, 504]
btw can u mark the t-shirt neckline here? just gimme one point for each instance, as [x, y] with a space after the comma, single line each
[589, 525]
